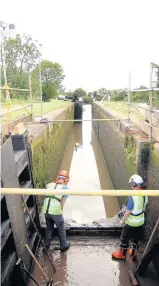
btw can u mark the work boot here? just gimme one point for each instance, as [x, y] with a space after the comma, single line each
[65, 248]
[62, 249]
[119, 255]
[133, 253]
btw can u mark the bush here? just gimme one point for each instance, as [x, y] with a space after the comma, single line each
[49, 91]
[87, 99]
[140, 96]
[120, 96]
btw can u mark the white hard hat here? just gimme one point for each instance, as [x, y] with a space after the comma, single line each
[136, 179]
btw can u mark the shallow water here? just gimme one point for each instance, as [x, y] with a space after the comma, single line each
[87, 171]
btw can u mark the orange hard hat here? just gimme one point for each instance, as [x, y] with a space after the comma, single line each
[62, 175]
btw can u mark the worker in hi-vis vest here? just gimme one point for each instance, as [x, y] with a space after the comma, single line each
[133, 220]
[53, 210]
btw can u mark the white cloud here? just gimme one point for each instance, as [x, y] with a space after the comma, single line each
[97, 42]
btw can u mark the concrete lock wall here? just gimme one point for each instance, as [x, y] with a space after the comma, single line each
[153, 184]
[126, 154]
[48, 149]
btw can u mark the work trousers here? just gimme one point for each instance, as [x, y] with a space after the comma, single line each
[130, 233]
[51, 220]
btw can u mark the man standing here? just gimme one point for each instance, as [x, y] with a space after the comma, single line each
[133, 221]
[53, 210]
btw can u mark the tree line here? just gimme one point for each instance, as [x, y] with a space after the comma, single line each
[22, 57]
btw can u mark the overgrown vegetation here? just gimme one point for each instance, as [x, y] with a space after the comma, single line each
[154, 157]
[48, 151]
[130, 150]
[87, 99]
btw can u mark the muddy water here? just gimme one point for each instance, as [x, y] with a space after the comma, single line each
[87, 171]
[88, 262]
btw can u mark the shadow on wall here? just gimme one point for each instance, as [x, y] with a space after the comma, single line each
[118, 151]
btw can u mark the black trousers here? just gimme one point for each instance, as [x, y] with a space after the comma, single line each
[130, 233]
[59, 221]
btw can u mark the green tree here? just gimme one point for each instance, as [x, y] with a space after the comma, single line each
[156, 66]
[143, 87]
[52, 73]
[21, 57]
[79, 92]
[48, 91]
[90, 94]
[119, 95]
[102, 92]
[52, 76]
[87, 99]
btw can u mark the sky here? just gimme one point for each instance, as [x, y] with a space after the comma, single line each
[98, 42]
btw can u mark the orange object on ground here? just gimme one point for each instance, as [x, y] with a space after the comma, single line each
[119, 255]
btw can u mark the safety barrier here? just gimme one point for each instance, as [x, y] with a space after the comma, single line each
[49, 192]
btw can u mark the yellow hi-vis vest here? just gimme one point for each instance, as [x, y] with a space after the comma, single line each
[55, 207]
[137, 217]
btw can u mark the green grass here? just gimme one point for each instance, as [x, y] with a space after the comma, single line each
[117, 106]
[121, 109]
[46, 107]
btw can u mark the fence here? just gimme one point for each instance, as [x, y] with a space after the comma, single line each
[17, 113]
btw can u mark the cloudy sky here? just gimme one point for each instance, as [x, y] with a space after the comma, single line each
[97, 41]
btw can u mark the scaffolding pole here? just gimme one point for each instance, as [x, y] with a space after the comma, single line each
[150, 104]
[76, 192]
[129, 96]
[81, 120]
[24, 107]
[31, 95]
[15, 89]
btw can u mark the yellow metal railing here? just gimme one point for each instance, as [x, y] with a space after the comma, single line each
[49, 192]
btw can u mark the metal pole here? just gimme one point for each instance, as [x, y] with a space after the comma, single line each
[40, 84]
[148, 244]
[16, 89]
[36, 261]
[5, 78]
[129, 96]
[31, 95]
[77, 192]
[84, 120]
[38, 233]
[150, 104]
